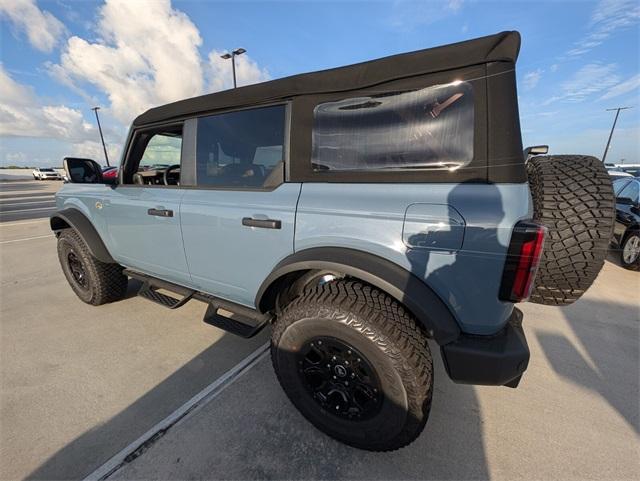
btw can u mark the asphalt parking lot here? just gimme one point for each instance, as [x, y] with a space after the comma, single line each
[81, 386]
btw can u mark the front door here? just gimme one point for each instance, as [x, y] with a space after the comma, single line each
[143, 211]
[238, 222]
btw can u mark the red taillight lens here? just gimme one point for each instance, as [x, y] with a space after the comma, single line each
[522, 262]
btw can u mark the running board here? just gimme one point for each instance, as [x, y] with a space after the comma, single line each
[151, 285]
[235, 318]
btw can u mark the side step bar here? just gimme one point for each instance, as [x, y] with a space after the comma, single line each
[226, 315]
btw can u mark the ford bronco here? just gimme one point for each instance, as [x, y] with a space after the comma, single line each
[358, 212]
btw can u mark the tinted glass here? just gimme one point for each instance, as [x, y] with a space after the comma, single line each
[430, 128]
[631, 191]
[240, 149]
[619, 184]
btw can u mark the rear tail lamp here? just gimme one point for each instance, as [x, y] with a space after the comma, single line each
[522, 261]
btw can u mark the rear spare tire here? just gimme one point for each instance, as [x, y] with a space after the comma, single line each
[573, 198]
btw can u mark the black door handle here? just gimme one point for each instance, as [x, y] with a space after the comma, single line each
[160, 212]
[263, 223]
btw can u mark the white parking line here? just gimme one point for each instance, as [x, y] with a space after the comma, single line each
[52, 201]
[26, 210]
[14, 224]
[26, 239]
[188, 408]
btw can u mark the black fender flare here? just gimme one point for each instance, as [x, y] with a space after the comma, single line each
[73, 218]
[387, 276]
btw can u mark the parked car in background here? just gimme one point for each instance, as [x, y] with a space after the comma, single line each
[633, 169]
[46, 173]
[109, 173]
[626, 232]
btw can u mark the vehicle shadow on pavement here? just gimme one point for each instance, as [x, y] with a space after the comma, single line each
[90, 450]
[608, 333]
[252, 432]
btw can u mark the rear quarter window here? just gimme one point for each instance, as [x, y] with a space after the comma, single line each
[429, 128]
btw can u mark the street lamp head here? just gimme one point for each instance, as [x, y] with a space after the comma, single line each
[239, 51]
[226, 56]
[95, 108]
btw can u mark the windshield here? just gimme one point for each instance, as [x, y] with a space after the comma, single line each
[46, 170]
[162, 151]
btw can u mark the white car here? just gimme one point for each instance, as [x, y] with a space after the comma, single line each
[46, 173]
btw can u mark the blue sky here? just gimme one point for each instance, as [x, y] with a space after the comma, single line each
[61, 57]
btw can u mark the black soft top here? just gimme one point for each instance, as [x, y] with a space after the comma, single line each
[501, 47]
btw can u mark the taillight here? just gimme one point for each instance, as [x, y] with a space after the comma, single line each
[522, 261]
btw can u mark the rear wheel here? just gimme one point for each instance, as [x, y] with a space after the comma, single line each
[355, 364]
[573, 198]
[94, 282]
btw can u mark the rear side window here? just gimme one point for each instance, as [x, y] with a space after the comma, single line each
[241, 149]
[430, 128]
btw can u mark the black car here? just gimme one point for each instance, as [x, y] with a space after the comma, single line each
[626, 231]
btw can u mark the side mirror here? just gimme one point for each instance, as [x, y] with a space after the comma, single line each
[535, 150]
[624, 201]
[83, 171]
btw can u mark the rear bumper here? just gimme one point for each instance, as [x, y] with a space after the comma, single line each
[497, 360]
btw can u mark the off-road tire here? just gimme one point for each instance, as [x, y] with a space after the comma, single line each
[573, 197]
[105, 282]
[635, 264]
[386, 334]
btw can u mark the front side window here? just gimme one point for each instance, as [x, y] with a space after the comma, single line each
[155, 157]
[430, 128]
[241, 149]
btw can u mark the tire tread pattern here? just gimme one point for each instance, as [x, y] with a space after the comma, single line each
[383, 321]
[108, 282]
[573, 197]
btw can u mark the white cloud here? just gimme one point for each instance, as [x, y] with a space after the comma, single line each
[43, 30]
[147, 55]
[591, 79]
[608, 18]
[531, 79]
[622, 88]
[23, 114]
[16, 158]
[221, 76]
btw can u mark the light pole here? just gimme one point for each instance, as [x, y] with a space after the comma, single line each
[615, 120]
[104, 147]
[232, 56]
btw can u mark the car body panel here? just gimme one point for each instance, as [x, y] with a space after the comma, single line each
[370, 218]
[227, 258]
[148, 243]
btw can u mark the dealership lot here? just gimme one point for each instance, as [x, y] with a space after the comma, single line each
[79, 384]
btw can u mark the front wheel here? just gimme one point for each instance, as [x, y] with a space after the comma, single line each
[355, 364]
[630, 252]
[93, 281]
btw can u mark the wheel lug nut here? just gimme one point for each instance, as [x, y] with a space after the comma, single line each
[349, 351]
[334, 358]
[353, 375]
[346, 383]
[319, 343]
[346, 363]
[335, 377]
[329, 365]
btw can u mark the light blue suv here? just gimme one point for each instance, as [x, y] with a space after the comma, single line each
[359, 211]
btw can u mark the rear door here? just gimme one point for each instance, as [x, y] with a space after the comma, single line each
[238, 221]
[143, 210]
